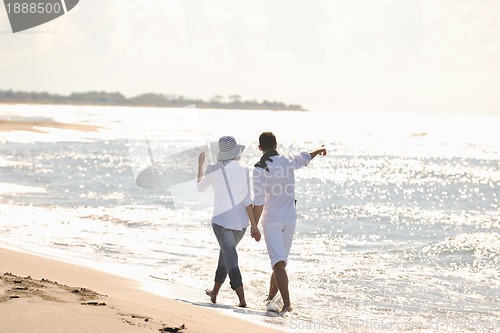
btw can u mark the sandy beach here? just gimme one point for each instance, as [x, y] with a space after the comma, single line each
[416, 258]
[45, 295]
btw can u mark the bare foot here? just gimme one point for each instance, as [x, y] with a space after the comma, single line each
[286, 309]
[242, 305]
[213, 296]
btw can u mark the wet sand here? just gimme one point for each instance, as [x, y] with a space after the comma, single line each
[38, 294]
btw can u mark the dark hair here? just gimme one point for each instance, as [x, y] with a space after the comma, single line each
[267, 141]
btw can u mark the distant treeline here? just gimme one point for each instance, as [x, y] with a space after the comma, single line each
[149, 99]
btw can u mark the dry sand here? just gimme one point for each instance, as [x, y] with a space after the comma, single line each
[38, 294]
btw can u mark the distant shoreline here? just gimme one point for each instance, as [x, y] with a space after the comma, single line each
[101, 98]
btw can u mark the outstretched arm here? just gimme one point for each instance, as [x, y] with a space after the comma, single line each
[319, 151]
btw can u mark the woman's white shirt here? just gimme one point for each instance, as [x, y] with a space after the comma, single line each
[231, 186]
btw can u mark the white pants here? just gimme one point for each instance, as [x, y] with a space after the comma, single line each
[279, 236]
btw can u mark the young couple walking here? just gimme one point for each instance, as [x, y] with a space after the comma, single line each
[273, 204]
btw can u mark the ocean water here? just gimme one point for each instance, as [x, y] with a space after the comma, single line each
[399, 225]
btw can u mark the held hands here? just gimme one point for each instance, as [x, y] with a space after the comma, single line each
[255, 233]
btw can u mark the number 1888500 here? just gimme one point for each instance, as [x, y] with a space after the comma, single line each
[33, 8]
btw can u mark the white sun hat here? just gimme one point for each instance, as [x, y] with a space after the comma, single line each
[229, 149]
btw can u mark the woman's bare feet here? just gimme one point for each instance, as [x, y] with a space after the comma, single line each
[286, 309]
[212, 294]
[241, 296]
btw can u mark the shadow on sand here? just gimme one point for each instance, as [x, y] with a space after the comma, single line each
[235, 309]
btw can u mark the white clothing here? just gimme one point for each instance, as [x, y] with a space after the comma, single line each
[278, 237]
[231, 197]
[275, 189]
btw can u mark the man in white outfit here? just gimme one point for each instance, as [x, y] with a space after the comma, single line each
[274, 201]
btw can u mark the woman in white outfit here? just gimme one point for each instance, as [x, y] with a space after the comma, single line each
[232, 211]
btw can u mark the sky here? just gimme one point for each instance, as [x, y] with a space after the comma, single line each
[419, 56]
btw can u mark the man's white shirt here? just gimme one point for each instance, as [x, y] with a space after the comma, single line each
[275, 189]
